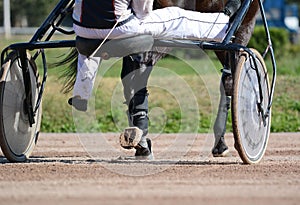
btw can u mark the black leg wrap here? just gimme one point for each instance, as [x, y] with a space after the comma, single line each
[220, 123]
[138, 111]
[220, 148]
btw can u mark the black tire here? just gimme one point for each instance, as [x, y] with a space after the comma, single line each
[17, 138]
[250, 134]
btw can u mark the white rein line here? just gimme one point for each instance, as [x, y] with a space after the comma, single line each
[107, 36]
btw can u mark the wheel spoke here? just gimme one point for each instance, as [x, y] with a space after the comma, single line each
[250, 134]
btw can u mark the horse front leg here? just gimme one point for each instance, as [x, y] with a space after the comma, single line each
[135, 73]
[242, 37]
[220, 149]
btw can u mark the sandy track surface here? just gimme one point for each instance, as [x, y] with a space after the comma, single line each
[62, 172]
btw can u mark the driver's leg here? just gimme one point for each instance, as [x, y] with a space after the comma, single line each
[87, 68]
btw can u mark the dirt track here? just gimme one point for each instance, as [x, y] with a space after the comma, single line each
[61, 172]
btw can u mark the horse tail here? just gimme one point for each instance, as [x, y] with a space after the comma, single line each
[69, 70]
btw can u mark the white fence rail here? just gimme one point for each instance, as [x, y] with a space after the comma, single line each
[20, 30]
[24, 30]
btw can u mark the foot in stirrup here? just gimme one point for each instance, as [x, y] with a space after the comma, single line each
[144, 153]
[231, 7]
[221, 149]
[78, 103]
[130, 137]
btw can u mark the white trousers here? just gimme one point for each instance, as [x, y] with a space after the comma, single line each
[166, 23]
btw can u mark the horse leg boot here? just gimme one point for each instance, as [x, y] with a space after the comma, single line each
[220, 148]
[135, 73]
[138, 118]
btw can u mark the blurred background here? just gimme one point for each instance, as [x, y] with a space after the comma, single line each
[16, 14]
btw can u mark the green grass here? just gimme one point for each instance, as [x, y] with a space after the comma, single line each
[286, 106]
[183, 94]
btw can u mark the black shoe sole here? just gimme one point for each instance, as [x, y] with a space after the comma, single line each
[78, 104]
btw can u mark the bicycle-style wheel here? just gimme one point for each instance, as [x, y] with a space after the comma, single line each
[17, 137]
[251, 134]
